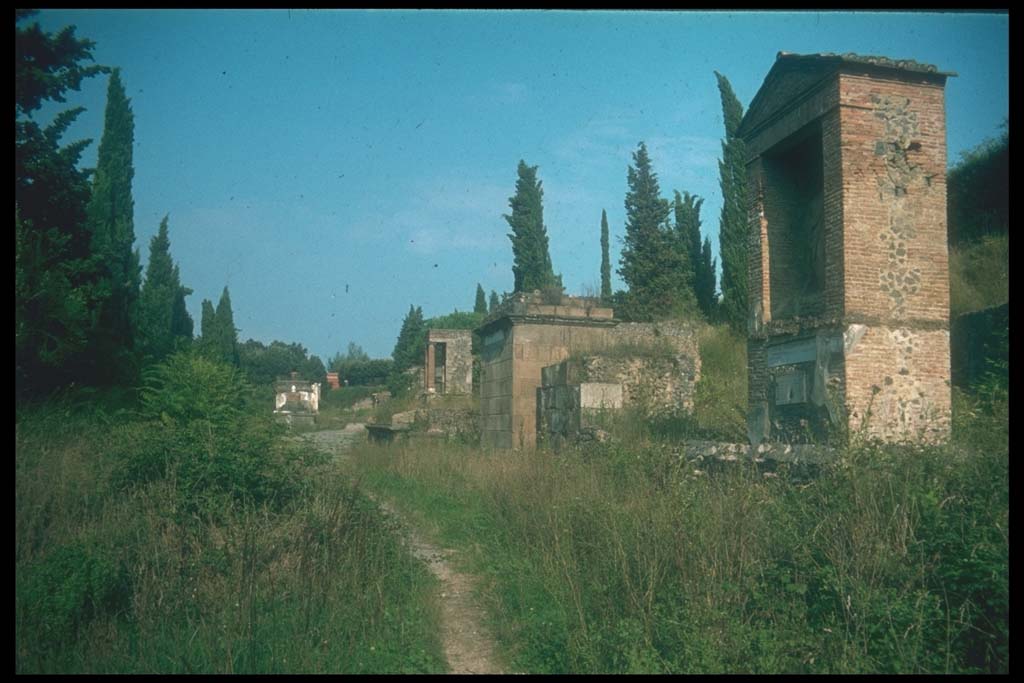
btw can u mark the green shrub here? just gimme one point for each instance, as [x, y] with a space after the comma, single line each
[64, 590]
[197, 435]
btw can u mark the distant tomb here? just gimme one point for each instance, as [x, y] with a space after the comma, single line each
[529, 334]
[297, 400]
[448, 362]
[848, 268]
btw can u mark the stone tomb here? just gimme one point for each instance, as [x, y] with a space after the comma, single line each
[529, 334]
[448, 362]
[848, 268]
[297, 401]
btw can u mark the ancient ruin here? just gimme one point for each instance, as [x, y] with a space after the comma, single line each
[448, 362]
[297, 400]
[529, 334]
[848, 265]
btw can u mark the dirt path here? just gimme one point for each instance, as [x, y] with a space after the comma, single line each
[468, 644]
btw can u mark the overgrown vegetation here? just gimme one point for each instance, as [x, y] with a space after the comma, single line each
[183, 535]
[627, 558]
[979, 274]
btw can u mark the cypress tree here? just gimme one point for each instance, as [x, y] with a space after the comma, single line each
[606, 266]
[409, 346]
[494, 303]
[111, 221]
[531, 267]
[653, 263]
[157, 298]
[225, 333]
[705, 285]
[732, 236]
[181, 321]
[481, 300]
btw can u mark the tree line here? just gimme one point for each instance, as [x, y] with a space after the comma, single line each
[83, 311]
[667, 267]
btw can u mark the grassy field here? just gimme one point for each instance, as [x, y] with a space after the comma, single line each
[176, 531]
[165, 542]
[623, 558]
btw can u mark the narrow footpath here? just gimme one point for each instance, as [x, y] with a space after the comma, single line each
[468, 644]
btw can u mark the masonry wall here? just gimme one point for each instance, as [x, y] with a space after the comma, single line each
[897, 261]
[514, 352]
[458, 369]
[880, 362]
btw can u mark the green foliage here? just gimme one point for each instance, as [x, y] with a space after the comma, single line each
[52, 267]
[409, 346]
[111, 221]
[720, 397]
[890, 560]
[59, 594]
[109, 581]
[163, 318]
[457, 320]
[481, 300]
[979, 274]
[225, 332]
[654, 261]
[687, 209]
[263, 364]
[979, 191]
[372, 372]
[494, 302]
[732, 235]
[606, 267]
[531, 265]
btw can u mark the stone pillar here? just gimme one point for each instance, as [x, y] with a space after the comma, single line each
[428, 369]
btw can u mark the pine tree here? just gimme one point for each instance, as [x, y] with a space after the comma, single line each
[52, 299]
[732, 238]
[111, 220]
[494, 303]
[531, 267]
[653, 263]
[606, 266]
[225, 333]
[157, 298]
[481, 300]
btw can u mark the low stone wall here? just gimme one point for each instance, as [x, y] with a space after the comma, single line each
[566, 410]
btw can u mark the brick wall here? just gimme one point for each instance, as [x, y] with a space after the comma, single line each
[882, 331]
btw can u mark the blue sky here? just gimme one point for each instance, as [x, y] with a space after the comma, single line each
[334, 167]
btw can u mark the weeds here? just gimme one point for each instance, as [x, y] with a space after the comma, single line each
[153, 545]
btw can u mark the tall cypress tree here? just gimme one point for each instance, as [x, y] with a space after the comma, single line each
[111, 220]
[481, 300]
[732, 236]
[531, 267]
[181, 321]
[688, 224]
[157, 298]
[704, 286]
[225, 333]
[494, 302]
[409, 346]
[606, 265]
[653, 263]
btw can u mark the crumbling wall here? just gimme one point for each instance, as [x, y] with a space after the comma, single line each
[873, 357]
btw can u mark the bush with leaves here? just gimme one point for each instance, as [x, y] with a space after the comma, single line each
[203, 432]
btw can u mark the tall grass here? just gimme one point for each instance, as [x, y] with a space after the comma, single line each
[129, 575]
[625, 558]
